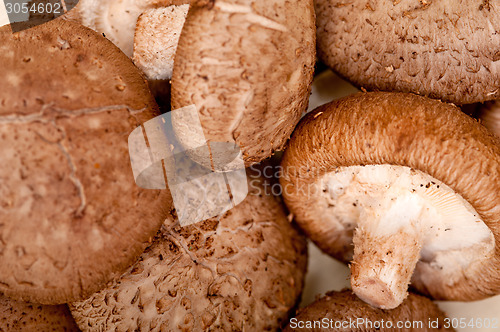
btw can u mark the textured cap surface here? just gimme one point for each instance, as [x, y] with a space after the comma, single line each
[243, 272]
[405, 130]
[71, 216]
[447, 50]
[247, 65]
[156, 37]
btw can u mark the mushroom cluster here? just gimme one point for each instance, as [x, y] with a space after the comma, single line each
[72, 219]
[145, 30]
[232, 84]
[397, 182]
[241, 271]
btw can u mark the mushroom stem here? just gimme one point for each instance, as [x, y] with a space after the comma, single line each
[386, 251]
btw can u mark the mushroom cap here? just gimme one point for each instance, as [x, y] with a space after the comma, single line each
[446, 50]
[244, 271]
[344, 306]
[155, 55]
[20, 316]
[402, 130]
[116, 19]
[248, 67]
[72, 217]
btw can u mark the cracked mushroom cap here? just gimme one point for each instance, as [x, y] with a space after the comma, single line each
[19, 316]
[489, 114]
[242, 272]
[412, 182]
[117, 19]
[344, 306]
[247, 66]
[446, 50]
[71, 216]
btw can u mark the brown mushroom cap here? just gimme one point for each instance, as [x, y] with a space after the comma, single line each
[344, 306]
[247, 66]
[244, 271]
[155, 42]
[19, 316]
[425, 136]
[71, 216]
[447, 50]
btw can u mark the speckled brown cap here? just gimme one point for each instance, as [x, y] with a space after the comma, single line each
[19, 316]
[242, 272]
[341, 307]
[247, 66]
[447, 50]
[155, 41]
[71, 216]
[415, 132]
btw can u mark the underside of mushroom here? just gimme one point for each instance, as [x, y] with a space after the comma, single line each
[242, 271]
[400, 217]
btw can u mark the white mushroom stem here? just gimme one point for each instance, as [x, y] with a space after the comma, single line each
[386, 250]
